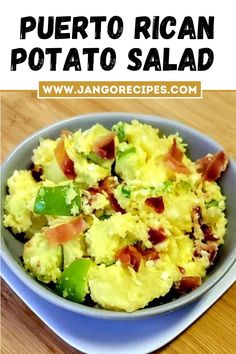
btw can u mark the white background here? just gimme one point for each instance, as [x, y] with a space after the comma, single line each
[222, 74]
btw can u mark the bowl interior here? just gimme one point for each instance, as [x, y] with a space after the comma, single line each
[199, 145]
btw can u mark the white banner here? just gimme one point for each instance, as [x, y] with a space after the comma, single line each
[201, 45]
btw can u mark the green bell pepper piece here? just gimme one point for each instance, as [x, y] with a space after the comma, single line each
[104, 217]
[167, 186]
[126, 152]
[59, 200]
[212, 203]
[125, 191]
[73, 282]
[120, 130]
[92, 156]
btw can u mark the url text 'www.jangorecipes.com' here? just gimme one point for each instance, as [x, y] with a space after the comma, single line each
[119, 89]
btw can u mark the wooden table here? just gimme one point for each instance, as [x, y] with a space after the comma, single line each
[23, 114]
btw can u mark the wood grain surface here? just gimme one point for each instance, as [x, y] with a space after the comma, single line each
[22, 114]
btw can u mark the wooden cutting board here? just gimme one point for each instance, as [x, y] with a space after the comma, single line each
[22, 114]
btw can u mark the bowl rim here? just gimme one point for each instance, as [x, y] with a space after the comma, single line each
[55, 299]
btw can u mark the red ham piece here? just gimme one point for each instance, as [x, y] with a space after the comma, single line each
[65, 163]
[79, 225]
[197, 252]
[211, 166]
[130, 256]
[174, 158]
[198, 212]
[115, 205]
[150, 254]
[105, 147]
[156, 203]
[208, 233]
[94, 190]
[65, 232]
[156, 235]
[107, 185]
[211, 248]
[187, 284]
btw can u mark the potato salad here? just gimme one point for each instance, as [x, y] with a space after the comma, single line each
[116, 218]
